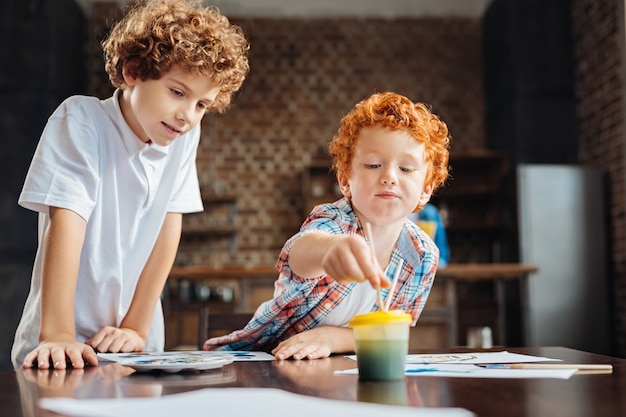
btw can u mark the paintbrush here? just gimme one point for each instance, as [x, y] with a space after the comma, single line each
[368, 233]
[581, 366]
[394, 282]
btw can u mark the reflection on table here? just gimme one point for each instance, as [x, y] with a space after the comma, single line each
[581, 395]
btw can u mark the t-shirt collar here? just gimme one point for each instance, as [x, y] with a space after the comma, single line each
[131, 141]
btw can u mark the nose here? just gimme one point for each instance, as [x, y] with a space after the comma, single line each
[185, 113]
[389, 176]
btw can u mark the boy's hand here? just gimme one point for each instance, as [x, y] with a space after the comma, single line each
[60, 354]
[349, 258]
[316, 343]
[115, 340]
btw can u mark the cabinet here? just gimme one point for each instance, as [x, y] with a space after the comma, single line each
[472, 205]
[232, 288]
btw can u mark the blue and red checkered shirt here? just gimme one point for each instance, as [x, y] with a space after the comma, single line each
[300, 304]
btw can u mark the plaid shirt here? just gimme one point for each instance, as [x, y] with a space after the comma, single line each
[300, 304]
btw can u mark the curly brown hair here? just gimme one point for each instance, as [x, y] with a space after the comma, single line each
[396, 112]
[156, 35]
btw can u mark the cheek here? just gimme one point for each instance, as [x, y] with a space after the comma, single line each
[198, 118]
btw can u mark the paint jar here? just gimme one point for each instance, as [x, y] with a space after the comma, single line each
[382, 343]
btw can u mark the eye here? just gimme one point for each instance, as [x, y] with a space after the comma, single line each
[407, 169]
[176, 92]
[372, 166]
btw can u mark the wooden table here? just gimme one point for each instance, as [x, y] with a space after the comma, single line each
[597, 395]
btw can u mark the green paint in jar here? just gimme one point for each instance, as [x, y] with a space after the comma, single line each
[381, 360]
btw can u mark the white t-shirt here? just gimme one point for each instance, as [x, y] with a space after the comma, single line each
[361, 300]
[89, 161]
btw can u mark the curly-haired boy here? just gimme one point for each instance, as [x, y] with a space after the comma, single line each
[111, 179]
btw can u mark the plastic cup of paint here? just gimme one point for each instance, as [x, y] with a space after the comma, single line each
[382, 343]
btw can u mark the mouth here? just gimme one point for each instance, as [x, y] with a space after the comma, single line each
[387, 195]
[173, 130]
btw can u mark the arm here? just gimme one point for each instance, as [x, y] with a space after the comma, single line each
[133, 331]
[62, 247]
[343, 257]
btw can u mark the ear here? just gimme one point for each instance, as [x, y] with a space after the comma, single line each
[129, 77]
[427, 192]
[344, 185]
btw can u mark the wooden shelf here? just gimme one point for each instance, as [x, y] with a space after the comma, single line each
[472, 205]
[217, 222]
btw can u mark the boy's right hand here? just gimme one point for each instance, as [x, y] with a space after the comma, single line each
[60, 354]
[349, 258]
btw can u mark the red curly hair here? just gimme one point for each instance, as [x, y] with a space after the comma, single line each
[156, 35]
[394, 111]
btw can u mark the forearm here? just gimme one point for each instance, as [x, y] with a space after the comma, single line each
[154, 276]
[307, 254]
[62, 247]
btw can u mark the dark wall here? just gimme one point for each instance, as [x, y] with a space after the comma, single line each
[41, 63]
[530, 104]
[598, 32]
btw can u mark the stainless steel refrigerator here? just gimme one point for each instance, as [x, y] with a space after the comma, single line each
[561, 220]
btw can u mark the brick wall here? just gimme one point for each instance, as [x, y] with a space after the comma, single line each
[305, 75]
[598, 31]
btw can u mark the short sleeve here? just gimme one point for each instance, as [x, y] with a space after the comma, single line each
[64, 171]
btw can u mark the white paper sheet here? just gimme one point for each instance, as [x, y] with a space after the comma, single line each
[475, 357]
[473, 371]
[237, 402]
[472, 358]
[463, 365]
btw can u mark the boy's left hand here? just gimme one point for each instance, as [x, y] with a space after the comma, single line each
[115, 340]
[315, 343]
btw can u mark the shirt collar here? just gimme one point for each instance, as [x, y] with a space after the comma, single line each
[131, 141]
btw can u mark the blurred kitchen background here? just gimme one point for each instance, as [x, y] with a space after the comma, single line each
[520, 83]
